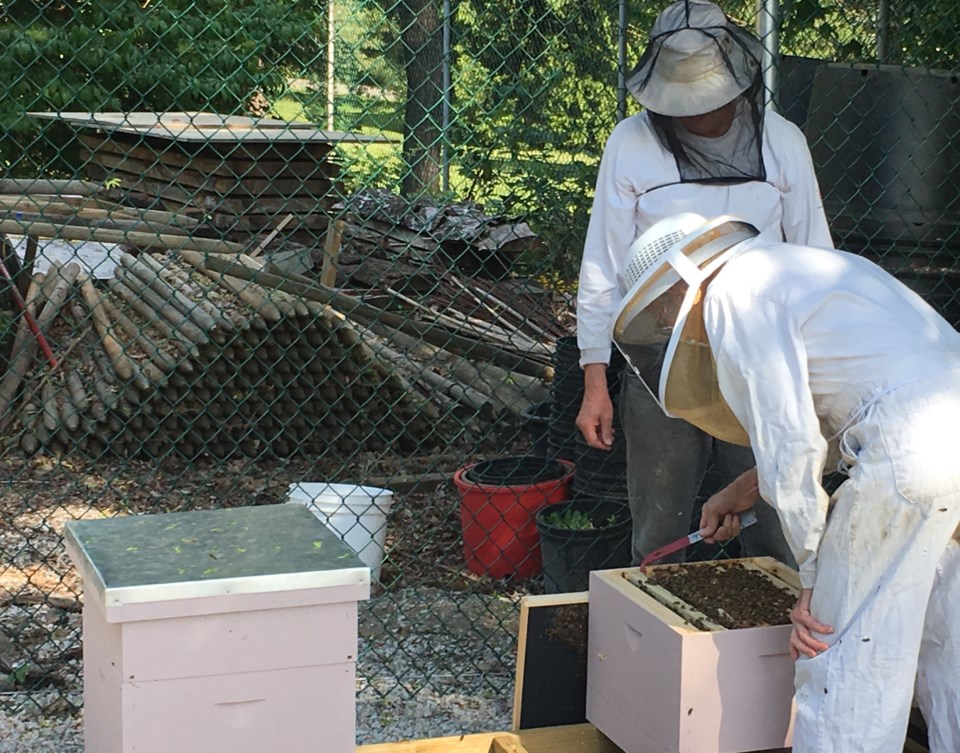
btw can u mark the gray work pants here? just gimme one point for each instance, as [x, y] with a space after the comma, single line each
[666, 461]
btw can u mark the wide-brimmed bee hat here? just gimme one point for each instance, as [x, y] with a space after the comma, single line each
[658, 325]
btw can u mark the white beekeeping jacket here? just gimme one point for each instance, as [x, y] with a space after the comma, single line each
[804, 340]
[638, 185]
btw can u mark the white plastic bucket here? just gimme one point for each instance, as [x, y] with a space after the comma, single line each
[357, 514]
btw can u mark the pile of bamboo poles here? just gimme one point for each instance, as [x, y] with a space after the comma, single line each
[173, 355]
[197, 346]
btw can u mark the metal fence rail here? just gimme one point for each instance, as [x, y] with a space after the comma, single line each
[264, 242]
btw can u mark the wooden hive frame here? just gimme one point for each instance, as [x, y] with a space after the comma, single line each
[776, 572]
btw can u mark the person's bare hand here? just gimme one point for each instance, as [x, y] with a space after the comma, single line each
[719, 516]
[803, 642]
[719, 528]
[595, 419]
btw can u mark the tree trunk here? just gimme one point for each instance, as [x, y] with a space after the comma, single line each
[422, 30]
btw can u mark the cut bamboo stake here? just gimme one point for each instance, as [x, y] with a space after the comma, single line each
[165, 308]
[288, 304]
[166, 292]
[145, 240]
[92, 220]
[136, 334]
[485, 406]
[48, 281]
[242, 287]
[42, 186]
[153, 318]
[25, 343]
[121, 362]
[29, 258]
[479, 327]
[31, 394]
[366, 313]
[35, 434]
[77, 391]
[69, 415]
[51, 416]
[25, 311]
[536, 332]
[179, 279]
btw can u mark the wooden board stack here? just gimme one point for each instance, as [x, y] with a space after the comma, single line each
[241, 175]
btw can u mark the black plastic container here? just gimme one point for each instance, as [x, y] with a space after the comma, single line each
[521, 470]
[569, 554]
[536, 420]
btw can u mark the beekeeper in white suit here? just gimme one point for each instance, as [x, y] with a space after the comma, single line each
[703, 143]
[786, 348]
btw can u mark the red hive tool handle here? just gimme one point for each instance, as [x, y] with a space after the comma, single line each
[657, 554]
[747, 518]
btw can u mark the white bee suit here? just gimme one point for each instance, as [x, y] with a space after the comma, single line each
[638, 185]
[811, 344]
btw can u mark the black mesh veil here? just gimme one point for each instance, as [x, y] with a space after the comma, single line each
[697, 61]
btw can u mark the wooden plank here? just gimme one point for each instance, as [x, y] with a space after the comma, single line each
[262, 245]
[422, 482]
[551, 676]
[574, 738]
[238, 205]
[239, 185]
[252, 148]
[232, 166]
[331, 253]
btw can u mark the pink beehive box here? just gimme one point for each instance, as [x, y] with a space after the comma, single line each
[662, 678]
[218, 630]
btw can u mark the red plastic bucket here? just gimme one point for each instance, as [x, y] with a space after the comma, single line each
[499, 522]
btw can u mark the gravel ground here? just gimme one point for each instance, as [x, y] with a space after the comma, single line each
[448, 647]
[438, 646]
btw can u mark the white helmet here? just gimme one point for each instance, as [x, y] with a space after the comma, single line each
[660, 334]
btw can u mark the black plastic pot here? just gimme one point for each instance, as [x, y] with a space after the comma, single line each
[521, 470]
[569, 555]
[536, 420]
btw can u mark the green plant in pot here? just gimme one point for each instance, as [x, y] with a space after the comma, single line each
[581, 535]
[577, 520]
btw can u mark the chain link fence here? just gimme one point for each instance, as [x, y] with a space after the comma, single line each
[253, 244]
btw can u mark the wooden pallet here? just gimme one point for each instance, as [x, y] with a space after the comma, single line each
[572, 738]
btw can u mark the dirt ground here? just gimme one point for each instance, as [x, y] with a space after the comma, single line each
[40, 591]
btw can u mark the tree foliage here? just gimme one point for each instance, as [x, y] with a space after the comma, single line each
[534, 82]
[118, 55]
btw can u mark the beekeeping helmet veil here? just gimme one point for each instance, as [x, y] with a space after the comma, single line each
[698, 60]
[658, 325]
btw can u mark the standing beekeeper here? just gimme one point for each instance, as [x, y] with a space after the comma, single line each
[703, 143]
[788, 347]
